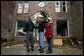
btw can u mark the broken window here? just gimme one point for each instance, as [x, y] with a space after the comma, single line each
[23, 7]
[63, 2]
[19, 28]
[64, 9]
[62, 28]
[64, 6]
[57, 6]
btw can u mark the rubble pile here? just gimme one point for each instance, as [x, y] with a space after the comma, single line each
[13, 42]
[73, 43]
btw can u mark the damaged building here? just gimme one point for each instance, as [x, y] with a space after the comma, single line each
[67, 17]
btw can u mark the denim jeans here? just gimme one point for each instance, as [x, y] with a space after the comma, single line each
[49, 40]
[29, 39]
[41, 40]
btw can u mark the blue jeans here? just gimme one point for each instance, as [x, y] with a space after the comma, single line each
[41, 40]
[49, 40]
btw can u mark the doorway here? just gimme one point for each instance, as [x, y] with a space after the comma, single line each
[62, 28]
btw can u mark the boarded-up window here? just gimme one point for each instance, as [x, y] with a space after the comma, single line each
[23, 7]
[20, 7]
[26, 5]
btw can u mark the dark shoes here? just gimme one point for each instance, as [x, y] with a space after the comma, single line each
[32, 49]
[48, 52]
[41, 51]
[28, 50]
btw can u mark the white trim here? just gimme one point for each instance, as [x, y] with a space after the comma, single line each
[68, 28]
[66, 5]
[15, 28]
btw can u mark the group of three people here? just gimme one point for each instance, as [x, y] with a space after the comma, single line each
[29, 28]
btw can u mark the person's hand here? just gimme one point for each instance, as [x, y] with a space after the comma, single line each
[50, 36]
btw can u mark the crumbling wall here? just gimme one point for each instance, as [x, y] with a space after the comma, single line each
[6, 19]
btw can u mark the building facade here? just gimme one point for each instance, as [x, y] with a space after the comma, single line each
[58, 11]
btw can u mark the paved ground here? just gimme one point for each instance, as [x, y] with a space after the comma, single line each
[56, 51]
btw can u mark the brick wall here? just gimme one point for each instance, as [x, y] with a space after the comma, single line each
[76, 26]
[6, 19]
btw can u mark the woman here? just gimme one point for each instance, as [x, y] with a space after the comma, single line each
[49, 34]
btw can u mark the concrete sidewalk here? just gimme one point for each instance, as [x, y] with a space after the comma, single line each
[56, 51]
